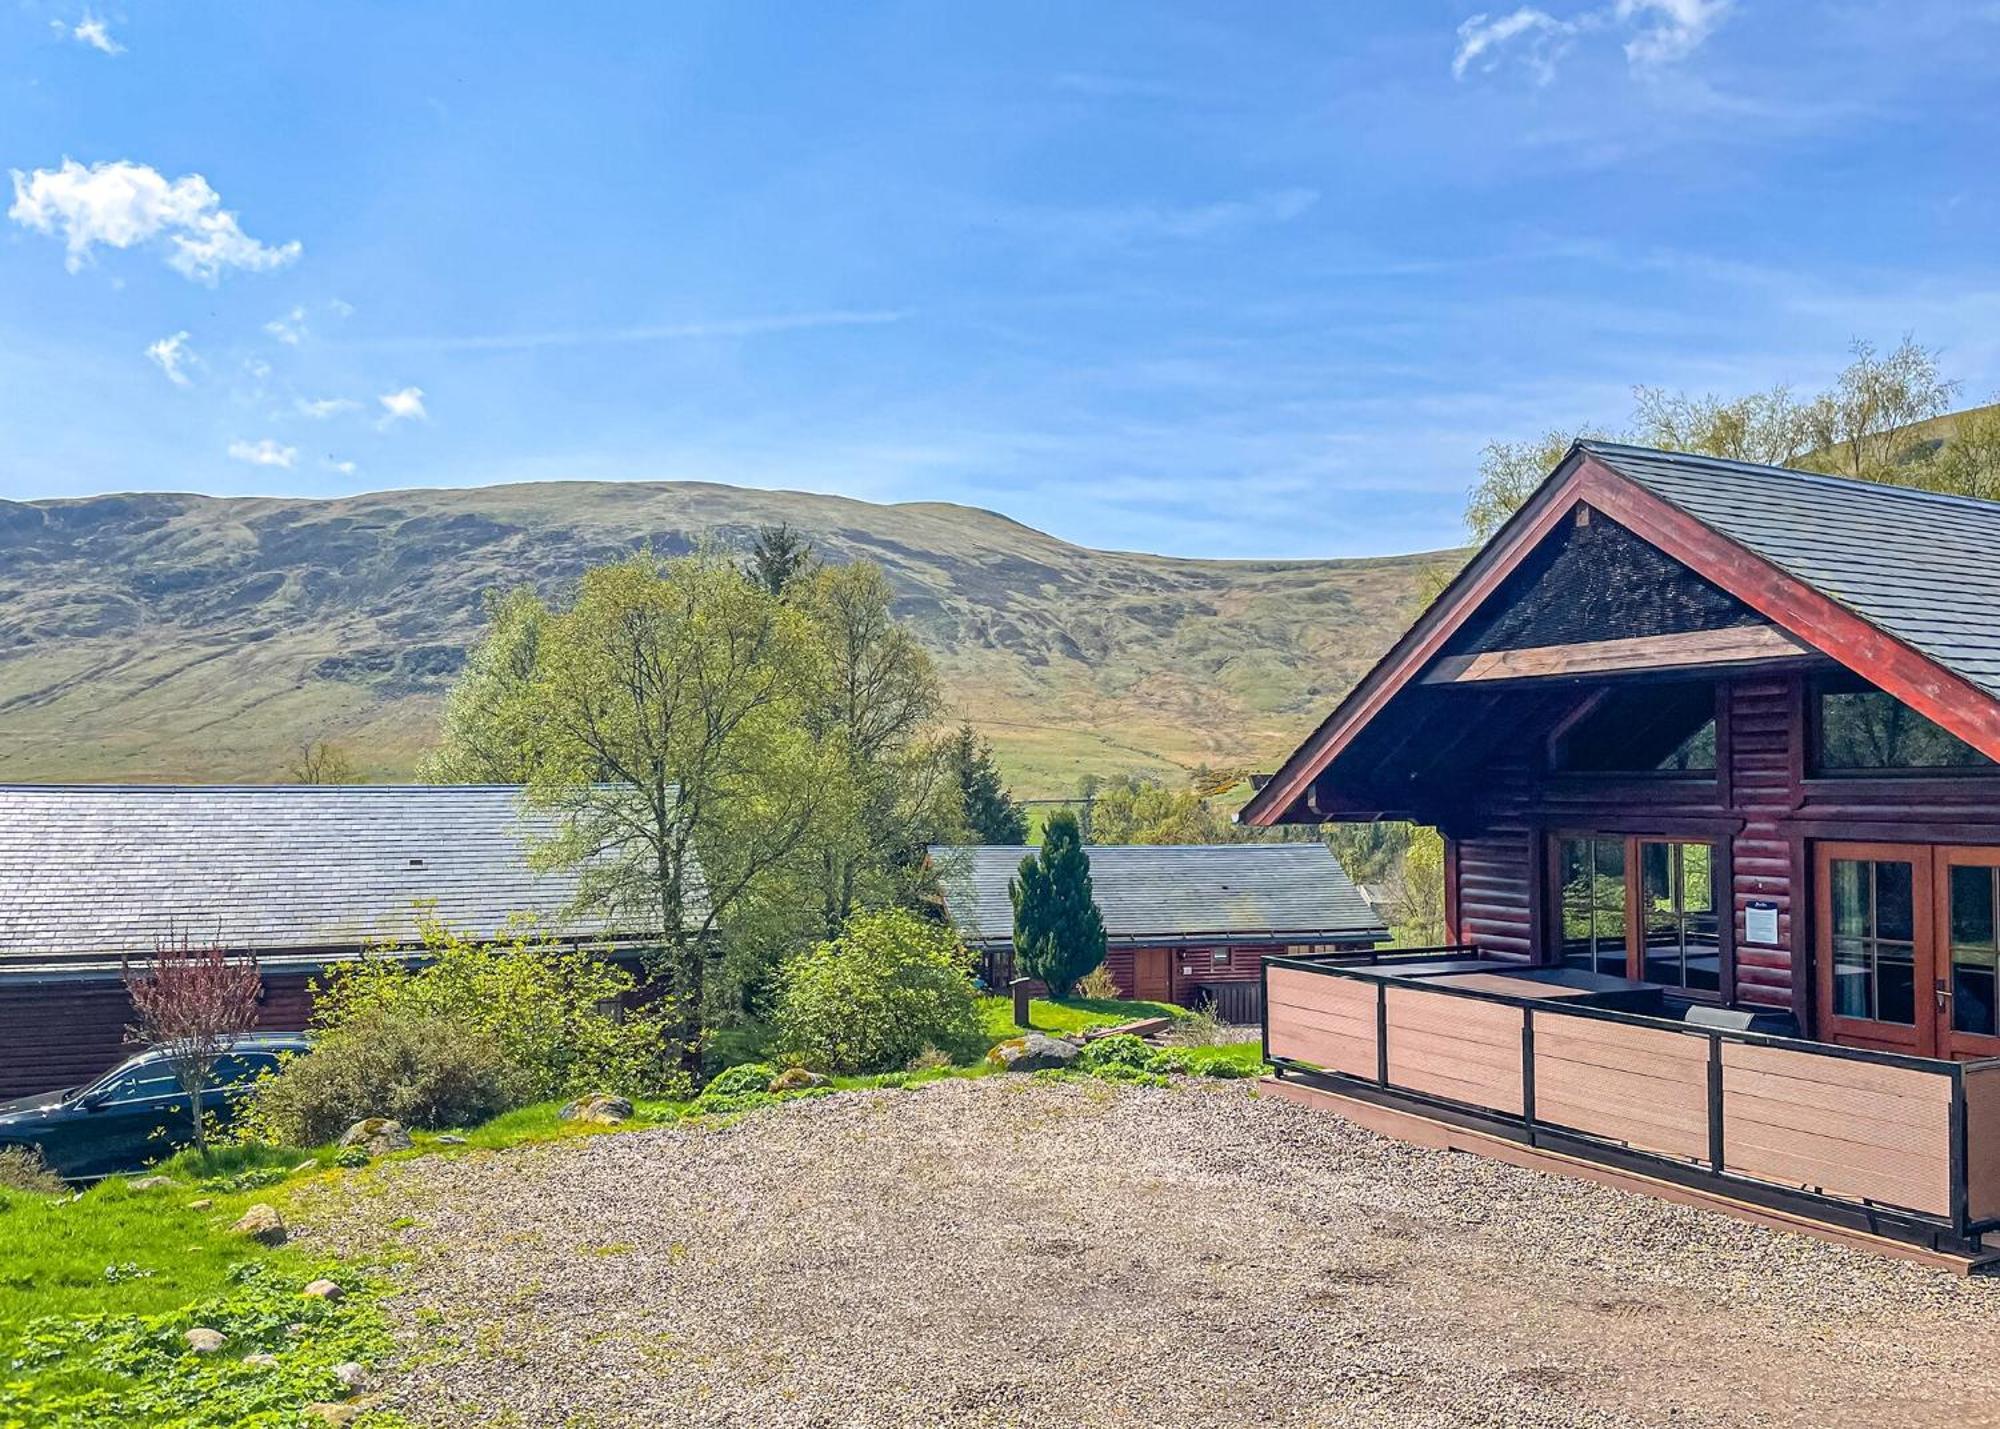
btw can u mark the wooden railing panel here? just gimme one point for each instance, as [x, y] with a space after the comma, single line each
[1327, 1021]
[1456, 1047]
[1843, 1127]
[1982, 1141]
[1645, 1087]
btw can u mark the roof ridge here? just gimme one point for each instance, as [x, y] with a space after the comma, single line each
[1817, 478]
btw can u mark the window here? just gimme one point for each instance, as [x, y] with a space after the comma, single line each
[1643, 729]
[1975, 949]
[1219, 958]
[1862, 728]
[1593, 904]
[1683, 946]
[138, 1081]
[1874, 940]
[1662, 890]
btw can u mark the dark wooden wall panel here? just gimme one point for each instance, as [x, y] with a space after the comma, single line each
[1764, 764]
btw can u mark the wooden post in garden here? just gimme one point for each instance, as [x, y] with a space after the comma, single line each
[1019, 987]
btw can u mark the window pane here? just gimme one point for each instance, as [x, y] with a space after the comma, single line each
[1610, 906]
[1697, 878]
[1853, 995]
[1704, 952]
[1895, 912]
[1850, 898]
[1865, 728]
[1576, 902]
[1896, 983]
[1972, 986]
[1645, 729]
[1972, 906]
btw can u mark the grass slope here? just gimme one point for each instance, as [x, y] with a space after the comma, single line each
[172, 637]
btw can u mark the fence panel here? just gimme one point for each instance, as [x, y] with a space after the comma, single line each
[1456, 1047]
[1327, 1021]
[1640, 1085]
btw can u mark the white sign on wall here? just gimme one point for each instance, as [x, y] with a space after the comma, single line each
[1760, 922]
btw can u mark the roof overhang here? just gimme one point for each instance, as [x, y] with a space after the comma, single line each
[1815, 621]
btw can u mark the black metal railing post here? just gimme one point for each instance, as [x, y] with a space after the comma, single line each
[1961, 1195]
[1528, 1070]
[1382, 1033]
[1716, 1148]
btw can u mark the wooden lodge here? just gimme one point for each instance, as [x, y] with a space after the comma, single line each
[1713, 750]
[1188, 924]
[301, 877]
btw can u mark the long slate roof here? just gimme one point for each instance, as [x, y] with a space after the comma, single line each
[1178, 892]
[92, 873]
[1921, 566]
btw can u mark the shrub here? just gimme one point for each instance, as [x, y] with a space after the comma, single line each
[931, 1059]
[1120, 1049]
[750, 1077]
[1230, 1071]
[541, 1004]
[1202, 1028]
[1098, 985]
[1169, 1063]
[424, 1071]
[22, 1169]
[872, 999]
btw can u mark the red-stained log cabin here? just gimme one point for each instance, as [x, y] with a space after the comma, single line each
[1713, 750]
[299, 876]
[1187, 924]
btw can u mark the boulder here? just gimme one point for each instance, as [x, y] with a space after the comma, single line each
[378, 1136]
[201, 1203]
[262, 1224]
[351, 1375]
[1035, 1052]
[204, 1341]
[796, 1079]
[598, 1109]
[322, 1290]
[151, 1183]
[261, 1360]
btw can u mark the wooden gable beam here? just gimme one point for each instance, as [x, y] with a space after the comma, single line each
[1739, 645]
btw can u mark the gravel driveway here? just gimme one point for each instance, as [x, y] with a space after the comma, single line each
[1002, 1251]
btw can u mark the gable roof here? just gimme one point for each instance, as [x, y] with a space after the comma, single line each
[94, 873]
[1885, 580]
[1173, 893]
[1922, 566]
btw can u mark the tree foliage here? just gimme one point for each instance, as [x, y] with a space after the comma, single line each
[780, 559]
[990, 814]
[191, 999]
[319, 762]
[874, 998]
[1132, 809]
[488, 734]
[1058, 929]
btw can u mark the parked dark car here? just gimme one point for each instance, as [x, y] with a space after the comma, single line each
[136, 1113]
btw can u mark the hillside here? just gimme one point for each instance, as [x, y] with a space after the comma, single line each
[168, 637]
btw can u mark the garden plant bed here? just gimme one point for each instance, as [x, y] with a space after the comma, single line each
[1010, 1250]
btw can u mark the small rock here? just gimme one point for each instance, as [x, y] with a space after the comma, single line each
[447, 1139]
[200, 1204]
[1035, 1052]
[261, 1360]
[598, 1109]
[204, 1341]
[795, 1079]
[327, 1412]
[322, 1290]
[150, 1183]
[378, 1136]
[262, 1224]
[352, 1375]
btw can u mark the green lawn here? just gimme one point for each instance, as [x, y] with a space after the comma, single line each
[1074, 1015]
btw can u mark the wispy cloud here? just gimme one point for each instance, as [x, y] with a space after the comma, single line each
[93, 32]
[173, 356]
[1655, 33]
[1119, 226]
[320, 408]
[289, 329]
[660, 332]
[123, 205]
[404, 406]
[264, 453]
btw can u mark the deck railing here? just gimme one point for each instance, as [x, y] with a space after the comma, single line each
[1894, 1144]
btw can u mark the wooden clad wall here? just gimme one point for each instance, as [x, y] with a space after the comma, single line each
[1644, 1087]
[60, 1034]
[1327, 1021]
[1764, 764]
[1837, 1125]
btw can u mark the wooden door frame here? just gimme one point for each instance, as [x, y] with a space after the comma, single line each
[1945, 857]
[1139, 956]
[1722, 875]
[1861, 1032]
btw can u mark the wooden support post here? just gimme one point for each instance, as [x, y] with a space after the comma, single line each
[1019, 987]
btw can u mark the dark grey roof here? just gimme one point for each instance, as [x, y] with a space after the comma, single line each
[89, 873]
[1178, 892]
[1923, 567]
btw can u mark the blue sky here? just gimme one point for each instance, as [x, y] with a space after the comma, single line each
[1215, 279]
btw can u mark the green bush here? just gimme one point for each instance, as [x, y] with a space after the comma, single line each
[541, 1004]
[1120, 1049]
[1230, 1071]
[424, 1071]
[871, 1000]
[22, 1169]
[750, 1077]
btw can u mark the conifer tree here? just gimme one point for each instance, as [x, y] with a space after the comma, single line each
[1058, 929]
[991, 815]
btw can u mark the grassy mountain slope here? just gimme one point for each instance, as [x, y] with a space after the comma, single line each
[163, 637]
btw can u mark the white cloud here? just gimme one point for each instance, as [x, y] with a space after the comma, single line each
[122, 204]
[264, 453]
[289, 329]
[320, 408]
[91, 31]
[174, 357]
[406, 405]
[1658, 33]
[340, 307]
[345, 468]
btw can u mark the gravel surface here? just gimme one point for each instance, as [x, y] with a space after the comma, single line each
[1001, 1251]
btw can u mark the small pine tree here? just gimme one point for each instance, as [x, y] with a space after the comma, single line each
[1058, 929]
[779, 559]
[991, 815]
